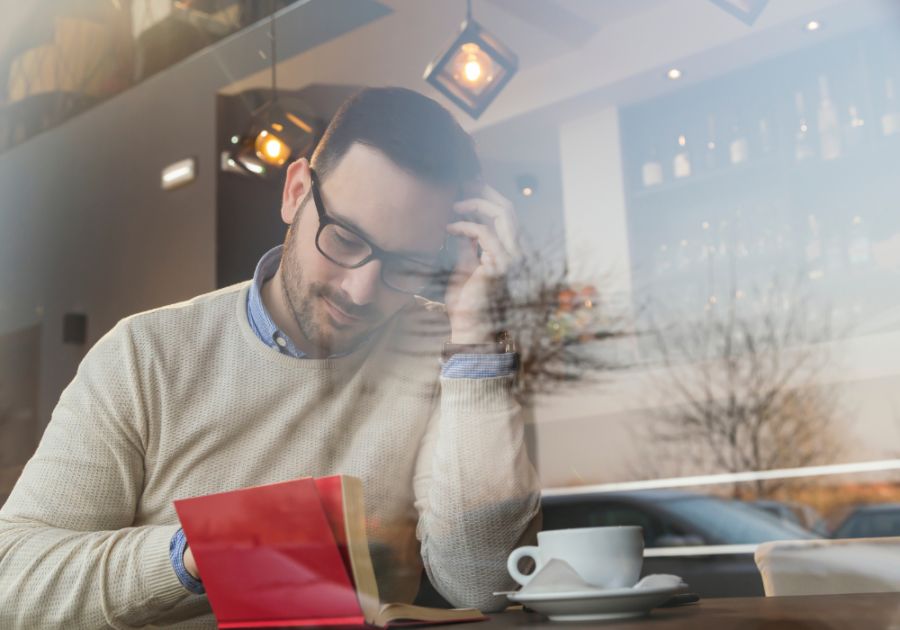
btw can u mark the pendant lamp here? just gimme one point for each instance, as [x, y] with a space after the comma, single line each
[473, 67]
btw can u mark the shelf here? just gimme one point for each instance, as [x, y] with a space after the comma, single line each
[867, 157]
[702, 180]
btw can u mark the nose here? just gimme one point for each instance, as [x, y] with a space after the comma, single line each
[362, 284]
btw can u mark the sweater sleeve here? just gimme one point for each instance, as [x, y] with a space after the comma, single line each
[477, 494]
[69, 553]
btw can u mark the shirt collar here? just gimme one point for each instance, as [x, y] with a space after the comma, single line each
[260, 320]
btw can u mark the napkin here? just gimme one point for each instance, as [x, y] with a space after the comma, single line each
[558, 576]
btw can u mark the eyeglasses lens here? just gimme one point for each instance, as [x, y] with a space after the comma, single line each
[347, 249]
[406, 276]
[341, 246]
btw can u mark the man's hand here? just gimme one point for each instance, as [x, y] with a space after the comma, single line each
[189, 565]
[490, 223]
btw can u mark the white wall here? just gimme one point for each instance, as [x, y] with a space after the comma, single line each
[594, 201]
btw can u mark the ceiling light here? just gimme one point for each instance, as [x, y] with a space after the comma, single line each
[674, 73]
[472, 68]
[745, 10]
[813, 26]
[527, 184]
[281, 131]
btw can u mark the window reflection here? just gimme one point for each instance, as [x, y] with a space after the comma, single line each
[702, 329]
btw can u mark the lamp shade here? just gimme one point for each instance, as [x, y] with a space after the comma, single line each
[472, 68]
[280, 132]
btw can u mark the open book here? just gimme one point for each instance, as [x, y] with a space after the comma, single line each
[293, 554]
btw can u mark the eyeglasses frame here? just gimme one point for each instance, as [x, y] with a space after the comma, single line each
[377, 252]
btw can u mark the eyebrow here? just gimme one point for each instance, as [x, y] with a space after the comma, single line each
[354, 226]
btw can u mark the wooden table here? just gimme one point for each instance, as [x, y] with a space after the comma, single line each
[873, 611]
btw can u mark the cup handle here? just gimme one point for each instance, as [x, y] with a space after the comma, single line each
[512, 564]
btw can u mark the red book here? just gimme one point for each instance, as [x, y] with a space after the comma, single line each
[293, 554]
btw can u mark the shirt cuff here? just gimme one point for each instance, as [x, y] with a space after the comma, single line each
[176, 554]
[479, 365]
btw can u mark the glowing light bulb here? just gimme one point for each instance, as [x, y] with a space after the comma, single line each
[473, 70]
[270, 149]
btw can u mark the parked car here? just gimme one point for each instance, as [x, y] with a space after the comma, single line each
[870, 521]
[806, 516]
[672, 518]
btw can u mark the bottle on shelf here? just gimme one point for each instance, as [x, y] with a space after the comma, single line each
[858, 247]
[854, 133]
[683, 261]
[681, 163]
[814, 250]
[834, 253]
[739, 148]
[829, 127]
[652, 168]
[803, 148]
[765, 137]
[662, 260]
[710, 151]
[890, 122]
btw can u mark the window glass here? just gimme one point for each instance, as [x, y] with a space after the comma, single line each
[596, 514]
[871, 525]
[731, 522]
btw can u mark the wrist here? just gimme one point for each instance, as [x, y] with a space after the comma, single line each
[189, 565]
[501, 343]
[469, 338]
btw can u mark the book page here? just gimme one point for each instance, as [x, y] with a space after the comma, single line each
[358, 547]
[396, 612]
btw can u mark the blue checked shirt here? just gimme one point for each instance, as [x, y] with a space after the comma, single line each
[459, 366]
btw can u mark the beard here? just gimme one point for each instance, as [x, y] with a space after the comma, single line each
[305, 299]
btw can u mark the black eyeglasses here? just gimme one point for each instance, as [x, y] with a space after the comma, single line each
[343, 246]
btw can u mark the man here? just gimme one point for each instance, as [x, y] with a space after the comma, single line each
[324, 363]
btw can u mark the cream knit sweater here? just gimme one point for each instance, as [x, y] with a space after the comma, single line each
[186, 401]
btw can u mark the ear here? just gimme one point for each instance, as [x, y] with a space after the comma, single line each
[295, 189]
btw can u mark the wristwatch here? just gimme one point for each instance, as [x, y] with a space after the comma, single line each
[503, 345]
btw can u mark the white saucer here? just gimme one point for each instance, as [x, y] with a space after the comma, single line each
[617, 603]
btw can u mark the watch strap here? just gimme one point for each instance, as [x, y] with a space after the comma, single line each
[503, 345]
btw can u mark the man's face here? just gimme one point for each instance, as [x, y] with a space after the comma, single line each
[335, 307]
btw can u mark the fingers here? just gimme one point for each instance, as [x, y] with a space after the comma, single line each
[466, 256]
[503, 220]
[494, 256]
[480, 189]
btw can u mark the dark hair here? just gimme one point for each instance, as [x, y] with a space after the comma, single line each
[413, 131]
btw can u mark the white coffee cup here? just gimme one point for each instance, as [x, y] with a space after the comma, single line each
[609, 557]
